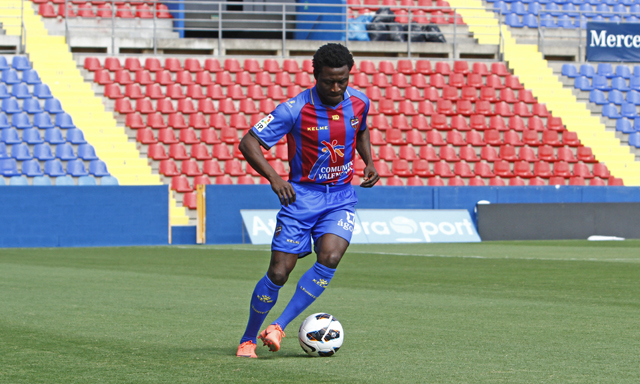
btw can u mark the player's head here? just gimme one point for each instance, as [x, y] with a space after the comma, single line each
[331, 65]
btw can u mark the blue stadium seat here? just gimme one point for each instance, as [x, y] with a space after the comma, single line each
[10, 76]
[54, 136]
[18, 181]
[534, 9]
[633, 96]
[30, 76]
[43, 152]
[3, 63]
[98, 168]
[43, 181]
[623, 71]
[76, 168]
[21, 121]
[42, 91]
[624, 126]
[601, 83]
[620, 83]
[31, 168]
[87, 152]
[20, 91]
[631, 19]
[54, 168]
[634, 139]
[616, 97]
[4, 122]
[602, 9]
[581, 22]
[587, 70]
[610, 111]
[636, 125]
[552, 9]
[4, 92]
[569, 70]
[587, 9]
[628, 110]
[87, 181]
[619, 8]
[53, 106]
[582, 83]
[598, 18]
[65, 151]
[109, 180]
[64, 121]
[605, 69]
[31, 106]
[518, 8]
[3, 151]
[11, 106]
[9, 167]
[635, 8]
[42, 120]
[501, 7]
[513, 21]
[565, 22]
[627, 2]
[547, 21]
[75, 136]
[65, 181]
[20, 63]
[10, 136]
[32, 136]
[615, 19]
[530, 20]
[21, 152]
[634, 83]
[596, 96]
[569, 9]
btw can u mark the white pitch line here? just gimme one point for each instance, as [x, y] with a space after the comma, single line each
[208, 248]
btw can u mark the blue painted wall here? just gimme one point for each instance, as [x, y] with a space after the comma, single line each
[224, 223]
[84, 216]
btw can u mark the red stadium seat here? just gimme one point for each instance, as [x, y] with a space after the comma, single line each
[428, 153]
[531, 138]
[181, 184]
[165, 106]
[407, 152]
[516, 123]
[235, 92]
[188, 136]
[585, 154]
[494, 81]
[502, 168]
[582, 170]
[555, 123]
[497, 182]
[212, 168]
[168, 168]
[536, 181]
[215, 92]
[489, 153]
[462, 169]
[271, 66]
[521, 109]
[102, 77]
[566, 154]
[204, 78]
[483, 107]
[474, 81]
[512, 138]
[527, 154]
[435, 181]
[157, 152]
[192, 65]
[421, 168]
[437, 80]
[400, 167]
[167, 136]
[499, 69]
[154, 91]
[387, 153]
[442, 169]
[522, 169]
[513, 82]
[600, 170]
[483, 169]
[546, 153]
[367, 67]
[224, 79]
[144, 106]
[393, 93]
[456, 181]
[190, 167]
[551, 138]
[468, 154]
[227, 107]
[405, 67]
[183, 77]
[456, 80]
[212, 65]
[492, 137]
[174, 91]
[508, 153]
[400, 122]
[419, 81]
[448, 153]
[209, 136]
[503, 109]
[123, 106]
[475, 138]
[383, 169]
[542, 169]
[540, 110]
[455, 138]
[135, 121]
[145, 136]
[478, 122]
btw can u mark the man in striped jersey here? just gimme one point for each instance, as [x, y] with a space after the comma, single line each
[324, 126]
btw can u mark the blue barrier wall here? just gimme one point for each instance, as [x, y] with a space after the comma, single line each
[84, 216]
[224, 223]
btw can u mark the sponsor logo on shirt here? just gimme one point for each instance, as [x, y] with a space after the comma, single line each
[335, 117]
[262, 124]
[331, 151]
[323, 128]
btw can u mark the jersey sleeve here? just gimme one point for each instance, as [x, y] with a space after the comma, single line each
[274, 126]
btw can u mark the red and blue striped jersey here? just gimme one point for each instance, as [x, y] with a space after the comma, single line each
[321, 139]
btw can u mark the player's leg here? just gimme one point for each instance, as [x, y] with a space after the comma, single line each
[264, 297]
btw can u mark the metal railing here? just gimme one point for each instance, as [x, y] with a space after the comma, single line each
[10, 20]
[283, 21]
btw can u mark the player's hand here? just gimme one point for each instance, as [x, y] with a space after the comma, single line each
[284, 190]
[370, 177]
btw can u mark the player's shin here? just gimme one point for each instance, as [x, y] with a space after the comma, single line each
[310, 286]
[264, 297]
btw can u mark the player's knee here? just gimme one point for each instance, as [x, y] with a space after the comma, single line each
[278, 276]
[330, 259]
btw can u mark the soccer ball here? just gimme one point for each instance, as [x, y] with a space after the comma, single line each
[321, 335]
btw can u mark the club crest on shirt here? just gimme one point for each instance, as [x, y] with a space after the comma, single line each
[355, 122]
[262, 124]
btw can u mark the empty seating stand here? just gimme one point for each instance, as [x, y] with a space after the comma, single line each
[38, 140]
[474, 119]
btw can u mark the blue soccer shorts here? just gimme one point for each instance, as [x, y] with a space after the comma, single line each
[318, 209]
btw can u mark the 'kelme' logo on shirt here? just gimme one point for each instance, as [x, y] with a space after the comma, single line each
[324, 128]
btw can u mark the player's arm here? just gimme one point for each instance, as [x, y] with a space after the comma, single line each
[363, 145]
[250, 148]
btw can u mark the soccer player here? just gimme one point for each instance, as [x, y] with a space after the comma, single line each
[324, 126]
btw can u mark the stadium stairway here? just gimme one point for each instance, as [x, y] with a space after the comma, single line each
[52, 59]
[528, 64]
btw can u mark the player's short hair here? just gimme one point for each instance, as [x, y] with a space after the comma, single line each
[331, 55]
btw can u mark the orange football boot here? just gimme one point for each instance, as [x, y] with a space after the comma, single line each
[272, 336]
[247, 349]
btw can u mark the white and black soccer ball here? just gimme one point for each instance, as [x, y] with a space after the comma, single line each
[321, 335]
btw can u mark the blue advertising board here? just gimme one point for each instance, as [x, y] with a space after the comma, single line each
[382, 226]
[613, 42]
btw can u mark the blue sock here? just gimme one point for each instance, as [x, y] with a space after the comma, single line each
[264, 297]
[310, 286]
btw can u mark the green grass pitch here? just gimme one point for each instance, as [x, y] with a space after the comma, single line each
[508, 312]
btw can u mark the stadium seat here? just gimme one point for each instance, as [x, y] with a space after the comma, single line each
[167, 136]
[108, 180]
[10, 136]
[21, 152]
[31, 136]
[21, 121]
[76, 168]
